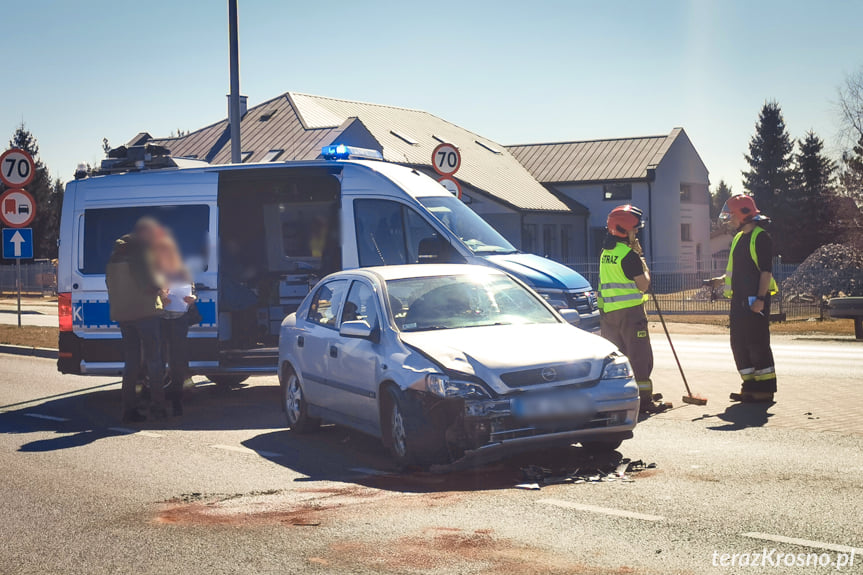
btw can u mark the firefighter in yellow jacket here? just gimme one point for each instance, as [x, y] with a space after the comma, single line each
[749, 284]
[623, 282]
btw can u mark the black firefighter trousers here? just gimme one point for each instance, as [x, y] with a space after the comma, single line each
[750, 344]
[627, 329]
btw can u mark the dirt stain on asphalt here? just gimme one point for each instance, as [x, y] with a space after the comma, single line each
[460, 550]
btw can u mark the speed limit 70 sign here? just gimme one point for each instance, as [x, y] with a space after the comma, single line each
[16, 168]
[446, 159]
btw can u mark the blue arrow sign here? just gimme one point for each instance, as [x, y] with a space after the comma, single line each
[18, 243]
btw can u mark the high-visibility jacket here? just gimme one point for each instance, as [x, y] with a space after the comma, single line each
[753, 253]
[616, 291]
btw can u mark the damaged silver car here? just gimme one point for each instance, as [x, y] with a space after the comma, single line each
[440, 361]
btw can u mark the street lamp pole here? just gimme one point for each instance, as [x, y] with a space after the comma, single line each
[235, 81]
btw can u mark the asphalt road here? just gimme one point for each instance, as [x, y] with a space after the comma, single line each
[226, 489]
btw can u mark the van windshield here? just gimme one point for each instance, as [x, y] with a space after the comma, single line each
[474, 231]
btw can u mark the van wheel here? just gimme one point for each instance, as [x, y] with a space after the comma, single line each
[411, 438]
[294, 404]
[227, 380]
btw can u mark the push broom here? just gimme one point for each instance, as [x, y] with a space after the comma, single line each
[688, 398]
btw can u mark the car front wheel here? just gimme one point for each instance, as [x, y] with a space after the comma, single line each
[294, 403]
[412, 439]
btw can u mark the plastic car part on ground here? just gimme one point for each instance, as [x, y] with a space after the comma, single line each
[535, 477]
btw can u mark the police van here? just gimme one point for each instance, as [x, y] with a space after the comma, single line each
[257, 237]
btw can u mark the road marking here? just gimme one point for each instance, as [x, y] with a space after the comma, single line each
[130, 431]
[804, 542]
[246, 450]
[48, 417]
[368, 471]
[603, 510]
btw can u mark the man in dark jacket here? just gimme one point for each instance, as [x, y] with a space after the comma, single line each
[134, 290]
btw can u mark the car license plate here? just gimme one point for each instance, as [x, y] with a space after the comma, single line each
[554, 406]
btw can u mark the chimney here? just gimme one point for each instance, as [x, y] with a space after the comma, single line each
[244, 104]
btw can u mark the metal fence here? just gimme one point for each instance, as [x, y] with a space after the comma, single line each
[38, 277]
[682, 288]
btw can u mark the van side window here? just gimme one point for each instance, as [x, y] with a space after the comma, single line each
[324, 308]
[190, 225]
[361, 305]
[389, 233]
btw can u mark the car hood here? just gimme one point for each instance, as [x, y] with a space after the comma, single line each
[539, 272]
[494, 353]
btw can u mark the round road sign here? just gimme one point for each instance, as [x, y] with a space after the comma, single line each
[17, 208]
[451, 185]
[446, 159]
[17, 168]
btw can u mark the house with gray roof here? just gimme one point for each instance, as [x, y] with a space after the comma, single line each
[663, 175]
[495, 184]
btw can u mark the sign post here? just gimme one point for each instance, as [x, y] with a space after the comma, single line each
[17, 210]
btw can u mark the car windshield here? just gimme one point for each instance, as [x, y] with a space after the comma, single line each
[474, 231]
[452, 302]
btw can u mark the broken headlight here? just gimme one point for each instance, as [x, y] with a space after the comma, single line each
[442, 386]
[617, 367]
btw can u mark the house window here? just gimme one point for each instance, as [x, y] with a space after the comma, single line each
[617, 192]
[528, 238]
[272, 155]
[685, 232]
[549, 232]
[685, 193]
[565, 242]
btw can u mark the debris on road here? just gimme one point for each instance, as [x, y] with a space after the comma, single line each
[535, 477]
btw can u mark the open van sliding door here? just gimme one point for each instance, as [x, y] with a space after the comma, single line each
[279, 234]
[97, 225]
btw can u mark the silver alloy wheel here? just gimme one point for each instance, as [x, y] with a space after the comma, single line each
[398, 431]
[293, 399]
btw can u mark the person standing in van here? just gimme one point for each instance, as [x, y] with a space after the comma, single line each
[177, 315]
[134, 290]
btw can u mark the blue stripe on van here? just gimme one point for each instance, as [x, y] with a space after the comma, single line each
[96, 313]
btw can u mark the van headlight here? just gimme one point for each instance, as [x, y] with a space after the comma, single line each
[442, 386]
[617, 367]
[555, 298]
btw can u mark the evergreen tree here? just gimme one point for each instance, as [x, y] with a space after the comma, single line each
[47, 194]
[771, 171]
[805, 211]
[769, 158]
[718, 198]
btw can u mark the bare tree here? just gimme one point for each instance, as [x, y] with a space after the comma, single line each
[851, 106]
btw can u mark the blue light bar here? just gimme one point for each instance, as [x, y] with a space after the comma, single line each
[343, 152]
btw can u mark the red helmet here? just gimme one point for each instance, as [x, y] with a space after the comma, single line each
[624, 218]
[742, 206]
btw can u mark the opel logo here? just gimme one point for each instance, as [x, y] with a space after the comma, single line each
[549, 374]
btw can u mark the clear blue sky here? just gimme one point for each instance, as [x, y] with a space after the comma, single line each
[515, 72]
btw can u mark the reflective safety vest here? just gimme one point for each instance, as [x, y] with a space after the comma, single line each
[616, 291]
[728, 270]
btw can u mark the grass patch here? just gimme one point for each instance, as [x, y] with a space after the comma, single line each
[29, 335]
[792, 327]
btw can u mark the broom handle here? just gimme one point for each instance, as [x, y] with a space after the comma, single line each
[670, 343]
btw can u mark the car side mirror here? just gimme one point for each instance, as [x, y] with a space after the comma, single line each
[570, 315]
[434, 249]
[359, 329]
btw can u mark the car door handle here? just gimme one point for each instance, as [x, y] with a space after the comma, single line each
[301, 341]
[334, 351]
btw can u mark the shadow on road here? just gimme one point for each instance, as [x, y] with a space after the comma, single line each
[81, 417]
[741, 416]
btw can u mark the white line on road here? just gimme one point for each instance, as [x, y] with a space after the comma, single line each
[130, 431]
[804, 542]
[603, 510]
[246, 450]
[48, 417]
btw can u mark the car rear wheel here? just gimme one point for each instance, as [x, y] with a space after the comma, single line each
[294, 404]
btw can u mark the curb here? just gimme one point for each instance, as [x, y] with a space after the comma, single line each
[45, 352]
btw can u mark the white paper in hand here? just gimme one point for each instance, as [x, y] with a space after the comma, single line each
[176, 293]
